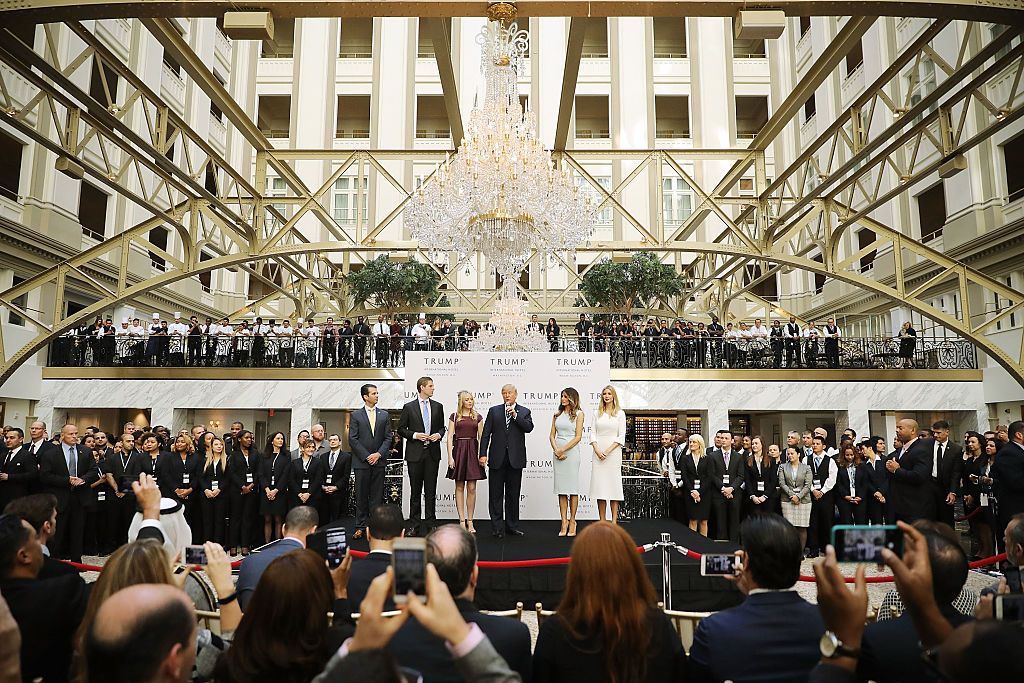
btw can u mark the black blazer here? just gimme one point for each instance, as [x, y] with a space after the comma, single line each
[861, 483]
[173, 471]
[48, 612]
[22, 472]
[238, 469]
[118, 465]
[54, 476]
[364, 571]
[207, 475]
[506, 444]
[769, 474]
[1008, 480]
[878, 478]
[411, 421]
[703, 471]
[416, 648]
[891, 650]
[951, 467]
[296, 475]
[274, 475]
[142, 462]
[737, 465]
[911, 483]
[341, 473]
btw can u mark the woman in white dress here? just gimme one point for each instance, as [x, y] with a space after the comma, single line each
[607, 438]
[566, 432]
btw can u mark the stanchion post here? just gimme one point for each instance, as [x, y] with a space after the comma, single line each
[666, 570]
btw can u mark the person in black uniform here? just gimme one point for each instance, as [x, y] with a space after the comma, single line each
[243, 487]
[361, 331]
[305, 477]
[876, 494]
[697, 477]
[823, 473]
[272, 478]
[67, 472]
[214, 500]
[727, 470]
[124, 500]
[852, 488]
[19, 471]
[762, 479]
[180, 473]
[337, 467]
[715, 333]
[150, 462]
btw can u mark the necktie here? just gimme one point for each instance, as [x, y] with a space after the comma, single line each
[72, 464]
[33, 449]
[334, 459]
[817, 463]
[508, 417]
[373, 419]
[425, 406]
[726, 455]
[938, 461]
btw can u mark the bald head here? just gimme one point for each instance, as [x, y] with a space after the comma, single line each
[906, 430]
[453, 552]
[145, 632]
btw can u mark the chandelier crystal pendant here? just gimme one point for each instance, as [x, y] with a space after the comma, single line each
[500, 194]
[507, 329]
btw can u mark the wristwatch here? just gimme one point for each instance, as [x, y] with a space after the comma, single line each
[831, 647]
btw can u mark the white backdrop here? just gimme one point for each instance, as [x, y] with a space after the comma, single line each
[540, 378]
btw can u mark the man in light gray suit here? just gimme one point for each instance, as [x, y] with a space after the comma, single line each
[369, 437]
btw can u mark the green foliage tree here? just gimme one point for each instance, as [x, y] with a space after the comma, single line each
[391, 287]
[638, 283]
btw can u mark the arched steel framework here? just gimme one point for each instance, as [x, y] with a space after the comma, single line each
[801, 220]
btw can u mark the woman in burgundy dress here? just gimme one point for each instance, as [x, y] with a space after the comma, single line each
[464, 428]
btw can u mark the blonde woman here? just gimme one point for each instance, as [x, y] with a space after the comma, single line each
[696, 476]
[464, 462]
[607, 438]
[565, 436]
[214, 501]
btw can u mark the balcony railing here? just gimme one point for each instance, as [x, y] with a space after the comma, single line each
[358, 351]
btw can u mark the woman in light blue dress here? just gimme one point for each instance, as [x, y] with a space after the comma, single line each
[566, 432]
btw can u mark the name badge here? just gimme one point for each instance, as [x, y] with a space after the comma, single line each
[817, 485]
[215, 485]
[272, 479]
[248, 477]
[696, 484]
[154, 478]
[760, 487]
[184, 478]
[725, 480]
[305, 484]
[330, 477]
[101, 495]
[983, 500]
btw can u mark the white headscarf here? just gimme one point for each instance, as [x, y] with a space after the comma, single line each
[177, 533]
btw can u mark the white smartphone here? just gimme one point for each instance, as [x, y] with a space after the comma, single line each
[409, 561]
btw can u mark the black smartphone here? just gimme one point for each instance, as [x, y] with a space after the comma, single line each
[864, 543]
[194, 554]
[409, 561]
[1009, 607]
[719, 565]
[337, 544]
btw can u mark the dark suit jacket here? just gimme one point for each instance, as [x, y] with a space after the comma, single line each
[769, 474]
[21, 472]
[54, 476]
[878, 478]
[252, 567]
[860, 482]
[736, 470]
[411, 421]
[364, 443]
[48, 612]
[951, 467]
[341, 473]
[364, 571]
[119, 466]
[911, 483]
[891, 650]
[416, 648]
[1008, 480]
[237, 469]
[53, 568]
[769, 634]
[173, 471]
[313, 474]
[506, 445]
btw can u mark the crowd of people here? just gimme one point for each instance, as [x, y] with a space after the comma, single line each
[924, 474]
[314, 344]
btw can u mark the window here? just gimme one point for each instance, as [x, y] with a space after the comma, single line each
[866, 237]
[676, 201]
[172, 64]
[425, 42]
[669, 37]
[206, 277]
[276, 188]
[274, 115]
[92, 211]
[604, 216]
[996, 30]
[819, 278]
[767, 288]
[1013, 166]
[805, 25]
[353, 119]
[210, 180]
[357, 39]
[283, 44]
[10, 171]
[751, 115]
[103, 83]
[921, 81]
[158, 238]
[592, 116]
[215, 111]
[348, 193]
[595, 38]
[931, 210]
[997, 306]
[810, 109]
[672, 114]
[854, 58]
[748, 49]
[432, 118]
[21, 302]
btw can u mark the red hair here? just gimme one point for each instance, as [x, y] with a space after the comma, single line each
[604, 557]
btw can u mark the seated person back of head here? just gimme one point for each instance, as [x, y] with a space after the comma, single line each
[299, 523]
[773, 635]
[145, 632]
[384, 524]
[453, 552]
[40, 510]
[48, 611]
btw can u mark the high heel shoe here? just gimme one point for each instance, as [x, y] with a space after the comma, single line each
[565, 527]
[469, 526]
[572, 528]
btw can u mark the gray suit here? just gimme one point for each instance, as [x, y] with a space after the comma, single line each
[363, 443]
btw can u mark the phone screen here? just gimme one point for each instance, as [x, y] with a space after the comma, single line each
[718, 565]
[1009, 607]
[855, 543]
[410, 571]
[336, 546]
[194, 554]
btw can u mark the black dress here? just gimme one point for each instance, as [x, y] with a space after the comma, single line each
[908, 343]
[305, 477]
[273, 474]
[691, 476]
[560, 657]
[763, 481]
[215, 510]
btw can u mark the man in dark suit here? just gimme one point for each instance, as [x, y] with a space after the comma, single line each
[823, 472]
[337, 473]
[48, 611]
[947, 468]
[911, 470]
[504, 444]
[774, 631]
[299, 523]
[67, 473]
[891, 650]
[727, 468]
[1008, 477]
[40, 510]
[369, 436]
[18, 471]
[384, 525]
[452, 550]
[38, 442]
[422, 425]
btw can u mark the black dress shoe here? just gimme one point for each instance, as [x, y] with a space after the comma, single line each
[498, 534]
[516, 532]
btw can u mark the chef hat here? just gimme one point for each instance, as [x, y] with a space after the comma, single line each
[125, 321]
[177, 315]
[156, 316]
[423, 316]
[298, 320]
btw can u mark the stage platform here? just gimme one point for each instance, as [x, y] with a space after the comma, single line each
[502, 587]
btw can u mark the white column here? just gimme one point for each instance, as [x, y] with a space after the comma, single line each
[392, 110]
[547, 64]
[302, 418]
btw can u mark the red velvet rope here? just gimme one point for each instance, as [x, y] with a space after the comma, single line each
[968, 516]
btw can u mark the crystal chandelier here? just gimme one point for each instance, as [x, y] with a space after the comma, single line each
[501, 194]
[507, 328]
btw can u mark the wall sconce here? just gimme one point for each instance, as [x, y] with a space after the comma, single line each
[214, 424]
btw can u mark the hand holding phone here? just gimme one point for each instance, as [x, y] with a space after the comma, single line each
[1008, 607]
[725, 564]
[864, 543]
[330, 544]
[409, 560]
[194, 554]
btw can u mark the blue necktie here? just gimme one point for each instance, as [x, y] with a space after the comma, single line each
[426, 416]
[72, 464]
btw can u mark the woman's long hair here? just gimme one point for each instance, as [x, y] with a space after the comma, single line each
[268, 451]
[766, 460]
[283, 634]
[211, 457]
[574, 403]
[602, 406]
[605, 556]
